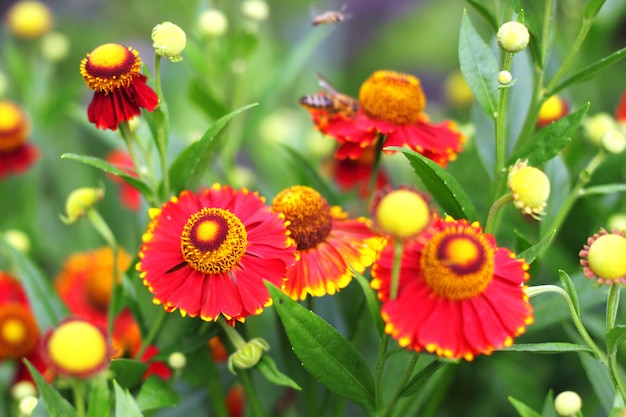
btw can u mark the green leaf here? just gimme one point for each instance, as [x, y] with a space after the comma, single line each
[156, 393]
[373, 304]
[125, 404]
[56, 405]
[589, 71]
[99, 398]
[548, 405]
[560, 186]
[550, 140]
[420, 378]
[568, 286]
[614, 338]
[106, 167]
[324, 352]
[268, 368]
[603, 189]
[532, 253]
[187, 170]
[206, 100]
[485, 13]
[441, 184]
[479, 66]
[523, 409]
[534, 16]
[48, 308]
[128, 372]
[598, 377]
[547, 347]
[593, 8]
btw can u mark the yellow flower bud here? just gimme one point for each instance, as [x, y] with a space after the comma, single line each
[256, 10]
[248, 355]
[505, 78]
[567, 404]
[212, 23]
[55, 46]
[169, 41]
[23, 389]
[613, 141]
[402, 213]
[530, 188]
[457, 91]
[177, 360]
[80, 201]
[604, 258]
[513, 37]
[27, 405]
[29, 19]
[597, 125]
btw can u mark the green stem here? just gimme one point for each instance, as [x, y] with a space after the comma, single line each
[256, 410]
[232, 334]
[401, 385]
[490, 223]
[78, 389]
[154, 331]
[398, 247]
[216, 391]
[380, 366]
[380, 142]
[616, 375]
[161, 138]
[541, 289]
[612, 304]
[501, 121]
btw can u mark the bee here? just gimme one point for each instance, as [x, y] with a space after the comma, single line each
[331, 16]
[330, 100]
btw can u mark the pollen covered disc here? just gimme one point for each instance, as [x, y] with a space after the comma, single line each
[110, 67]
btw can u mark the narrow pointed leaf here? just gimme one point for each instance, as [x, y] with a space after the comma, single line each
[568, 286]
[550, 140]
[548, 347]
[593, 8]
[523, 409]
[325, 352]
[268, 368]
[598, 377]
[108, 168]
[442, 185]
[373, 305]
[99, 398]
[128, 372]
[485, 13]
[125, 404]
[548, 406]
[590, 71]
[56, 405]
[603, 189]
[537, 249]
[48, 308]
[156, 393]
[420, 378]
[188, 168]
[614, 338]
[479, 66]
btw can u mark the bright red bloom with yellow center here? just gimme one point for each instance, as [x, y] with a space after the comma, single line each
[19, 332]
[207, 254]
[120, 90]
[391, 105]
[459, 295]
[329, 244]
[16, 154]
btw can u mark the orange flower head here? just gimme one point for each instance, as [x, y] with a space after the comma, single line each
[19, 332]
[120, 90]
[329, 244]
[16, 154]
[393, 96]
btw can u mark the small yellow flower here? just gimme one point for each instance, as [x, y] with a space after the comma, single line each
[169, 41]
[597, 125]
[567, 404]
[80, 201]
[613, 141]
[29, 19]
[402, 213]
[212, 23]
[177, 360]
[530, 188]
[603, 258]
[513, 37]
[248, 355]
[505, 78]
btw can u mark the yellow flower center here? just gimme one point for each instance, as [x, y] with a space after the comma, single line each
[402, 213]
[14, 128]
[607, 256]
[110, 67]
[77, 347]
[18, 331]
[307, 213]
[458, 264]
[213, 241]
[392, 96]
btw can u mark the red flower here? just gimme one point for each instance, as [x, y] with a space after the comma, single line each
[620, 111]
[329, 244]
[350, 174]
[207, 254]
[459, 295]
[130, 197]
[19, 332]
[390, 106]
[16, 155]
[120, 90]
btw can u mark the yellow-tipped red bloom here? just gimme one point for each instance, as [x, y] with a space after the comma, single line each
[120, 90]
[16, 154]
[391, 105]
[459, 295]
[329, 244]
[19, 332]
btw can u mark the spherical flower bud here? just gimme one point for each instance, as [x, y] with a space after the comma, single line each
[513, 37]
[256, 10]
[596, 126]
[401, 213]
[212, 23]
[617, 222]
[27, 405]
[457, 91]
[55, 46]
[169, 41]
[613, 141]
[552, 110]
[505, 78]
[18, 239]
[567, 404]
[177, 360]
[76, 348]
[80, 201]
[23, 389]
[530, 188]
[603, 258]
[248, 355]
[29, 19]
